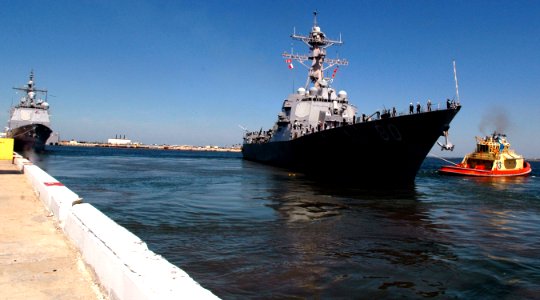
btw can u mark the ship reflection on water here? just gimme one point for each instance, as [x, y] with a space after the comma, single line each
[500, 182]
[298, 198]
[337, 241]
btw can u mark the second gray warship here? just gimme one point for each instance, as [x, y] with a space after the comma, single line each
[319, 133]
[29, 123]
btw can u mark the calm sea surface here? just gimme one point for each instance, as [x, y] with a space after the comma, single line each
[244, 230]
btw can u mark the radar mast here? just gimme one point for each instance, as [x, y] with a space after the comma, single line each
[317, 43]
[29, 99]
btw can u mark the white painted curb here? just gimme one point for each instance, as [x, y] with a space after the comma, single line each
[125, 267]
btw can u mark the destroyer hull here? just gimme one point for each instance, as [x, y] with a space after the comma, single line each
[30, 137]
[388, 151]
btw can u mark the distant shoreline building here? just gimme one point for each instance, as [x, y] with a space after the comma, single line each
[119, 141]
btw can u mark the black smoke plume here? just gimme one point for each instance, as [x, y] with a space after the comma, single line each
[494, 119]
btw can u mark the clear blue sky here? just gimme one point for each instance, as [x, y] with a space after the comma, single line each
[189, 72]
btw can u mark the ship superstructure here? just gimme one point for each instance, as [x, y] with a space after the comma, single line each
[320, 133]
[29, 123]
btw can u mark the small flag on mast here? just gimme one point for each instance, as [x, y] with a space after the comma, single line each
[289, 61]
[335, 71]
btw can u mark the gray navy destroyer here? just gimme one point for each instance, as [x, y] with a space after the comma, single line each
[319, 133]
[29, 123]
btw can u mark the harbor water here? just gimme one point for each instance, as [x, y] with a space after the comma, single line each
[248, 231]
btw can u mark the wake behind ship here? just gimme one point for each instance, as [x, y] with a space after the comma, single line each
[29, 123]
[319, 133]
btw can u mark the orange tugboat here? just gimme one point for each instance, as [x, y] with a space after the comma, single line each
[492, 158]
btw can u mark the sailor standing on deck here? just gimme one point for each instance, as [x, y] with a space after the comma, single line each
[418, 107]
[428, 105]
[411, 108]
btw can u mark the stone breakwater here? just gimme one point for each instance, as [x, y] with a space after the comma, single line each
[122, 263]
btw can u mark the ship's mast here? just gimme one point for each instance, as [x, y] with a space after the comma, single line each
[30, 91]
[317, 43]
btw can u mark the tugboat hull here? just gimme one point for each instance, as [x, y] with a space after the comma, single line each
[461, 171]
[387, 151]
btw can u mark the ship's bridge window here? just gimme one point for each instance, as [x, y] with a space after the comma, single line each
[482, 148]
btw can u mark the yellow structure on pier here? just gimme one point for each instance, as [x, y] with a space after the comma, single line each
[6, 148]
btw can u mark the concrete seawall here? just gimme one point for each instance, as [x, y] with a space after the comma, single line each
[123, 264]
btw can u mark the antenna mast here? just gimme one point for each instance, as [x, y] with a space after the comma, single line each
[455, 79]
[30, 91]
[317, 43]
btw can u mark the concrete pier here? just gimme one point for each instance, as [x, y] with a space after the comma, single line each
[122, 264]
[37, 261]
